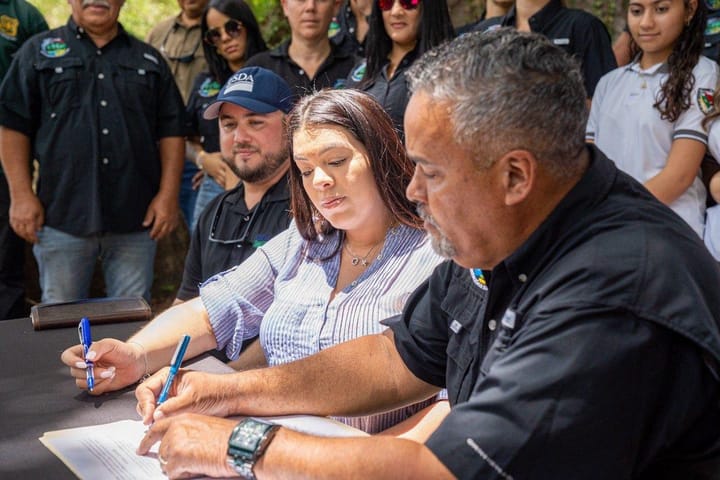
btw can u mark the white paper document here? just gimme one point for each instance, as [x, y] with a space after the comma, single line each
[108, 451]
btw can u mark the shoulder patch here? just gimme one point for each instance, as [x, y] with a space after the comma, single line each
[713, 26]
[209, 88]
[54, 47]
[9, 27]
[359, 73]
[705, 100]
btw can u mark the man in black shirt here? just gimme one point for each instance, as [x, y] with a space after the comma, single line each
[593, 353]
[253, 145]
[101, 113]
[577, 32]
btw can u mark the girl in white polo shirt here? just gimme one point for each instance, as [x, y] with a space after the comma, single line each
[647, 116]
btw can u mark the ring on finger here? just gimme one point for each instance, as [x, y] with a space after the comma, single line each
[162, 461]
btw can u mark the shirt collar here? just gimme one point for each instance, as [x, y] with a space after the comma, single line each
[567, 216]
[78, 30]
[634, 66]
[541, 18]
[335, 51]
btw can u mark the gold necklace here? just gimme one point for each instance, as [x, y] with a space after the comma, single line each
[360, 260]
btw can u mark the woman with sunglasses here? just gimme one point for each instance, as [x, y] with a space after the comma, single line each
[400, 31]
[648, 116]
[351, 258]
[231, 35]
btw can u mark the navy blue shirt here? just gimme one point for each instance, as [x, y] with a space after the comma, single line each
[593, 354]
[579, 33]
[94, 117]
[204, 91]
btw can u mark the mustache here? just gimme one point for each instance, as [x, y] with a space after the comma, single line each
[426, 216]
[243, 146]
[98, 3]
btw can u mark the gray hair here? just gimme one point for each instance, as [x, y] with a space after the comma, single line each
[508, 90]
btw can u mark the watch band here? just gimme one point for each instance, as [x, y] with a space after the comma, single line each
[247, 443]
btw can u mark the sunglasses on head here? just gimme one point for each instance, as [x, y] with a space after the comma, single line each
[386, 5]
[232, 28]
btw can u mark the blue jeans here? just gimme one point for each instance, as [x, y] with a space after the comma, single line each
[209, 189]
[66, 264]
[188, 196]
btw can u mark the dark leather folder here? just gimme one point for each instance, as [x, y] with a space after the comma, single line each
[98, 310]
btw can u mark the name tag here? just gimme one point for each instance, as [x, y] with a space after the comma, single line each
[561, 41]
[508, 320]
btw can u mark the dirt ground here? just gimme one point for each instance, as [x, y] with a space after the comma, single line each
[169, 262]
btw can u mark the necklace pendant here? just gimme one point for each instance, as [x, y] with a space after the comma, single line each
[355, 261]
[363, 262]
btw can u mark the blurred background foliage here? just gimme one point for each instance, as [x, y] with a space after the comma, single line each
[139, 16]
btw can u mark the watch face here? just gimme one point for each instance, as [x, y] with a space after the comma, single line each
[248, 437]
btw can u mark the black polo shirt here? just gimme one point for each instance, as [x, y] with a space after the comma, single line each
[345, 38]
[204, 91]
[579, 33]
[594, 355]
[331, 74]
[232, 221]
[391, 93]
[94, 116]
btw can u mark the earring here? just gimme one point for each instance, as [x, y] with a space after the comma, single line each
[319, 223]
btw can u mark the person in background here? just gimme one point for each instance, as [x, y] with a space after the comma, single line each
[648, 116]
[578, 32]
[493, 8]
[351, 25]
[101, 113]
[21, 20]
[400, 31]
[308, 61]
[595, 354]
[231, 35]
[179, 40]
[350, 259]
[253, 145]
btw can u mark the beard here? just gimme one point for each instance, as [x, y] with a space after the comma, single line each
[440, 243]
[271, 163]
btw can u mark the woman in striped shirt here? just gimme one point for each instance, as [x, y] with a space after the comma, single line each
[351, 259]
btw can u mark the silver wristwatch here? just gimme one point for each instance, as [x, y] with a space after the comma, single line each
[247, 443]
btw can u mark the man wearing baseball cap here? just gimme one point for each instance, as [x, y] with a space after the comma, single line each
[250, 109]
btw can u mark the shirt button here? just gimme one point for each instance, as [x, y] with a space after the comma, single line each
[379, 257]
[354, 283]
[101, 76]
[99, 52]
[301, 71]
[53, 115]
[522, 277]
[105, 161]
[492, 325]
[105, 131]
[103, 103]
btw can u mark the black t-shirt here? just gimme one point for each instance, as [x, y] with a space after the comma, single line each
[331, 74]
[579, 33]
[94, 116]
[227, 233]
[593, 354]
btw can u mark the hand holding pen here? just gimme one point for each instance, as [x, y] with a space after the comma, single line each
[86, 341]
[175, 363]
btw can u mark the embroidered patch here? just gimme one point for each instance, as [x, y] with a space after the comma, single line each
[561, 41]
[54, 47]
[478, 278]
[209, 88]
[705, 100]
[9, 27]
[713, 26]
[359, 73]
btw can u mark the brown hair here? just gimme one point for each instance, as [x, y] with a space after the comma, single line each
[365, 119]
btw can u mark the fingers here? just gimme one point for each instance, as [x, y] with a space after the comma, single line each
[153, 435]
[147, 393]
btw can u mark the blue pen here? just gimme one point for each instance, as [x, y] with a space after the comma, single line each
[86, 341]
[174, 367]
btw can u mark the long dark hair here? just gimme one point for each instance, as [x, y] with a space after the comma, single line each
[435, 28]
[674, 96]
[237, 10]
[364, 118]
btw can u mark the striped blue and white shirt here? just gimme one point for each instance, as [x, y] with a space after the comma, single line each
[282, 293]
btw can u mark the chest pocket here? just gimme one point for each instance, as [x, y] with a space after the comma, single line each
[61, 81]
[137, 84]
[463, 305]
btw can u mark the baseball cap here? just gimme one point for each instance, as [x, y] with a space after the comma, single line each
[254, 88]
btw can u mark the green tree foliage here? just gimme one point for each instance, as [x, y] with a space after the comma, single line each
[139, 16]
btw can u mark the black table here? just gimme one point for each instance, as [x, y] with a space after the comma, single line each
[38, 395]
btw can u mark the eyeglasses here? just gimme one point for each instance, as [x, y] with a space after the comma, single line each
[181, 58]
[249, 220]
[386, 5]
[232, 28]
